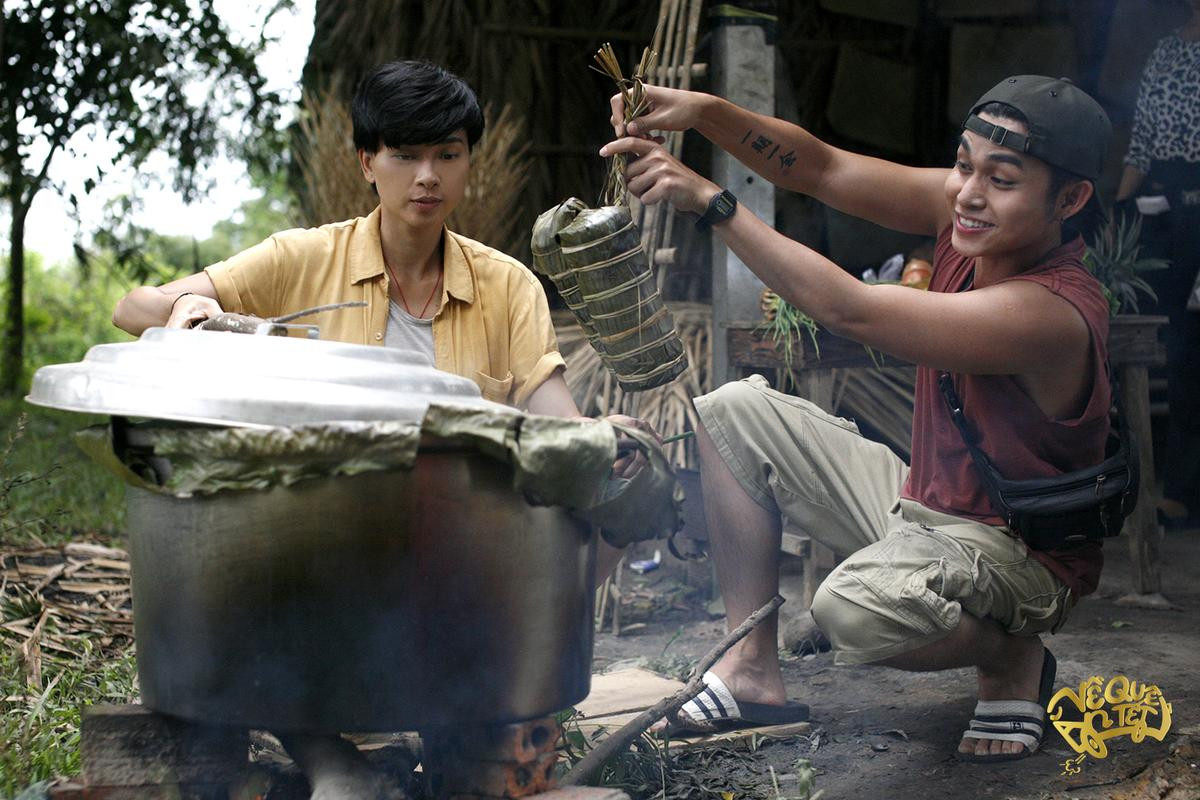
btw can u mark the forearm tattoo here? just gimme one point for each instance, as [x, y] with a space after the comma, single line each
[769, 149]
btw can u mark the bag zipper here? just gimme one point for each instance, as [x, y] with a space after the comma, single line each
[1098, 481]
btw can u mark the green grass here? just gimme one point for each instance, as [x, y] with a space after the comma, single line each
[50, 492]
[40, 728]
[1114, 257]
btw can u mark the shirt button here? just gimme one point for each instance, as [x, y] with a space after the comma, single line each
[378, 336]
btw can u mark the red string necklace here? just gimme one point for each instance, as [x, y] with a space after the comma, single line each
[404, 302]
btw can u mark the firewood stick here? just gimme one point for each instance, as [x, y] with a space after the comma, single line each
[668, 705]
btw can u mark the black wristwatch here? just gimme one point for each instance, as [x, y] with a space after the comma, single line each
[720, 208]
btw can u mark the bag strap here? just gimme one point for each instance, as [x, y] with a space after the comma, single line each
[983, 465]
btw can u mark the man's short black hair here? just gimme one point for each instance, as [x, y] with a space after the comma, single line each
[412, 103]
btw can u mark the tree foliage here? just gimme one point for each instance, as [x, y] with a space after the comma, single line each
[143, 256]
[162, 75]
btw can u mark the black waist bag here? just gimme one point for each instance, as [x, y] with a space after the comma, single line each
[1063, 511]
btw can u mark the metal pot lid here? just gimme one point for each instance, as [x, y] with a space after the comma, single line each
[252, 381]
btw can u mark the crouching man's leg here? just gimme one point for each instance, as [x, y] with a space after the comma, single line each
[762, 455]
[941, 592]
[745, 552]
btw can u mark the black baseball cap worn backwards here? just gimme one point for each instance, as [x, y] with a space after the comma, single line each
[1067, 128]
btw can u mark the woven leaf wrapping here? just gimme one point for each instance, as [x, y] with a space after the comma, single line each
[595, 259]
[548, 260]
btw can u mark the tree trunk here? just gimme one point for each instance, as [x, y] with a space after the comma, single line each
[12, 360]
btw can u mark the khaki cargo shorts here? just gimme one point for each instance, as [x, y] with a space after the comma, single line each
[909, 572]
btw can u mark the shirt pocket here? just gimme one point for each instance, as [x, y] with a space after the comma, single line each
[494, 389]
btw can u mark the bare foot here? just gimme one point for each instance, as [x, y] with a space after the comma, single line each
[1017, 677]
[756, 680]
[753, 682]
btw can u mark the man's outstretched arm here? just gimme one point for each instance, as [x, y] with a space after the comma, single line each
[895, 196]
[178, 304]
[1013, 327]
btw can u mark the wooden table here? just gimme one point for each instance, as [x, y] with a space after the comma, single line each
[1133, 347]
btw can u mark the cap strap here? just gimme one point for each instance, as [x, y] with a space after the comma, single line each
[997, 134]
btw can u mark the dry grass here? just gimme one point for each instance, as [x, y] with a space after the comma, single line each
[499, 177]
[334, 188]
[675, 40]
[668, 408]
[633, 94]
[66, 641]
[66, 619]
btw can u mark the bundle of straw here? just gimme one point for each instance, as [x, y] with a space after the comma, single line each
[333, 185]
[633, 92]
[500, 170]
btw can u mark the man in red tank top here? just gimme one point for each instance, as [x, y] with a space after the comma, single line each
[930, 579]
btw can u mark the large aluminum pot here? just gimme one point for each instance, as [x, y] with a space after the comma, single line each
[394, 600]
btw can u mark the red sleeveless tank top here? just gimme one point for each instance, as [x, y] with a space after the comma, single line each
[1019, 438]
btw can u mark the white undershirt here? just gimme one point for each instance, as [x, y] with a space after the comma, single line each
[406, 332]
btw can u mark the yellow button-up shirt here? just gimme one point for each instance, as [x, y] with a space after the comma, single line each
[492, 325]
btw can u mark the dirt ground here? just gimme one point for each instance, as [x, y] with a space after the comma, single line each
[883, 733]
[877, 732]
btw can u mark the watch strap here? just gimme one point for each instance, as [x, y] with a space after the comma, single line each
[720, 208]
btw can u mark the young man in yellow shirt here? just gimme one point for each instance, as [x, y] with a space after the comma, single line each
[473, 310]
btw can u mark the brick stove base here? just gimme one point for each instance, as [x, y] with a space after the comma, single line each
[132, 753]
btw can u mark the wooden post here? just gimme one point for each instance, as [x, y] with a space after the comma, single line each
[1142, 525]
[743, 67]
[1133, 347]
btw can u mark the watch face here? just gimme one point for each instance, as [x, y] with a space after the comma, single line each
[720, 208]
[723, 205]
